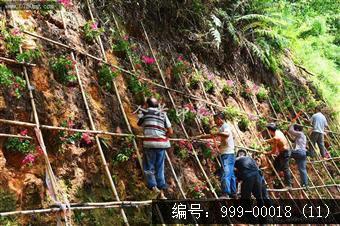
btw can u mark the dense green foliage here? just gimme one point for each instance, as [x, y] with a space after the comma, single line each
[312, 29]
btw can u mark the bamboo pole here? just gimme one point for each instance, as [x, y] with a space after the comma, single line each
[5, 59]
[15, 136]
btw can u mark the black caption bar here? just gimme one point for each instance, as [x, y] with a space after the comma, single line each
[228, 211]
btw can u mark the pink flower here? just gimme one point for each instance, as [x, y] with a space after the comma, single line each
[39, 150]
[197, 189]
[16, 31]
[65, 3]
[86, 137]
[126, 37]
[230, 83]
[70, 123]
[180, 58]
[203, 111]
[190, 107]
[256, 89]
[94, 26]
[252, 117]
[148, 60]
[24, 132]
[210, 76]
[29, 159]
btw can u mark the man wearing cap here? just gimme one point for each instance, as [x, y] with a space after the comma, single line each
[280, 148]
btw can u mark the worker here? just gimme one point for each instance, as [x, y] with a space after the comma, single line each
[264, 191]
[280, 148]
[299, 151]
[227, 155]
[157, 130]
[319, 122]
[247, 171]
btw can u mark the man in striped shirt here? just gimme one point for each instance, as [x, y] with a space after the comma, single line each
[157, 129]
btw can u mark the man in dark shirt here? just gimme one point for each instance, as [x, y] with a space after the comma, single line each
[247, 171]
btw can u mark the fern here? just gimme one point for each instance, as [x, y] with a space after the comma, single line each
[214, 26]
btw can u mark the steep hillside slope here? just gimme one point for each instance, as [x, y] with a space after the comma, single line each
[89, 67]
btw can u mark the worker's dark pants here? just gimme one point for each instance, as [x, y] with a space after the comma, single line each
[153, 164]
[281, 163]
[318, 138]
[300, 158]
[252, 184]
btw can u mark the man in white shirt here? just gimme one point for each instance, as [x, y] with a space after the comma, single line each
[319, 122]
[227, 155]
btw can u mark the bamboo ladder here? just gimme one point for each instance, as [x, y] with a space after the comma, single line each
[93, 127]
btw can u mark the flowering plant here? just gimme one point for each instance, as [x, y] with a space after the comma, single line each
[14, 83]
[92, 31]
[106, 75]
[125, 151]
[20, 145]
[228, 88]
[70, 137]
[181, 67]
[65, 3]
[208, 150]
[262, 94]
[13, 39]
[198, 189]
[243, 124]
[249, 89]
[231, 113]
[209, 86]
[183, 149]
[64, 69]
[29, 56]
[29, 159]
[189, 113]
[194, 81]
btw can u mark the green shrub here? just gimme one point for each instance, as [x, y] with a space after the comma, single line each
[121, 45]
[181, 67]
[138, 88]
[29, 56]
[20, 145]
[12, 38]
[276, 105]
[230, 113]
[262, 95]
[106, 75]
[197, 190]
[15, 83]
[125, 151]
[182, 149]
[189, 117]
[64, 69]
[228, 88]
[244, 123]
[7, 201]
[91, 31]
[173, 117]
[195, 81]
[209, 86]
[261, 123]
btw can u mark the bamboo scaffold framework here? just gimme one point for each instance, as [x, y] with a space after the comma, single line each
[123, 204]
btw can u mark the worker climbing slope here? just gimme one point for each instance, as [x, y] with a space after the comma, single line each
[157, 129]
[280, 148]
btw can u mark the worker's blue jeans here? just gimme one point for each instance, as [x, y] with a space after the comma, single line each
[228, 179]
[300, 158]
[153, 164]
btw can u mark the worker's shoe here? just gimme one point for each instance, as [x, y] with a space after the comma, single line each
[161, 195]
[155, 192]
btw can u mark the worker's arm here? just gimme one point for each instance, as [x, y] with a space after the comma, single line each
[293, 132]
[274, 147]
[169, 132]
